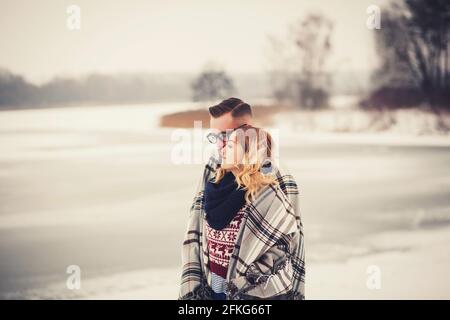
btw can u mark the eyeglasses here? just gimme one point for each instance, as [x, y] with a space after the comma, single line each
[222, 136]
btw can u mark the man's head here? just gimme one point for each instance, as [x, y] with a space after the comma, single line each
[229, 114]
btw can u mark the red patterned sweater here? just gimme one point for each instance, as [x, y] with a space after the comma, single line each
[221, 245]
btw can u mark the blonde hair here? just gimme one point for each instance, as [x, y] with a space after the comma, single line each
[257, 152]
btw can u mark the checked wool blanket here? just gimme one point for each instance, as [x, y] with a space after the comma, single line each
[268, 261]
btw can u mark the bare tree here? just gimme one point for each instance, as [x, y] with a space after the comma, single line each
[298, 67]
[414, 49]
[312, 37]
[211, 85]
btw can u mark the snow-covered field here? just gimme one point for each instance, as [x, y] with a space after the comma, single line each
[401, 122]
[95, 187]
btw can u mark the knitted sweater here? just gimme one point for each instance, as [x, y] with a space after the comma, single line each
[220, 246]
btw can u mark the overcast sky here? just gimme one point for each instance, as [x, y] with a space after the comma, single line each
[168, 36]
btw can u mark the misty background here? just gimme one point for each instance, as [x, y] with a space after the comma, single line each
[150, 51]
[358, 91]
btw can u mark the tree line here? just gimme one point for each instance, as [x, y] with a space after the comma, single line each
[15, 91]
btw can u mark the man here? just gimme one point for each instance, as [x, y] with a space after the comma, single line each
[287, 281]
[229, 114]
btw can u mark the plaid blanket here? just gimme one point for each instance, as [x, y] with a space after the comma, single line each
[268, 261]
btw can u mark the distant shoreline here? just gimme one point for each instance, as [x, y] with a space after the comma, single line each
[90, 104]
[415, 121]
[262, 114]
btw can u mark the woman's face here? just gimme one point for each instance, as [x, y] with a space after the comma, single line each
[231, 152]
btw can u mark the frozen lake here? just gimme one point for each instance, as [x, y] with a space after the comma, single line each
[95, 187]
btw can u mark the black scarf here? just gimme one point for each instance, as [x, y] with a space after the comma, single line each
[223, 201]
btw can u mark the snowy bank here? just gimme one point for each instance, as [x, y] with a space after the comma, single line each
[402, 121]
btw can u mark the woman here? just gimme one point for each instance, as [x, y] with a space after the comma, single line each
[244, 237]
